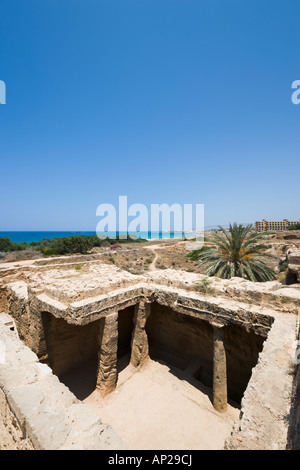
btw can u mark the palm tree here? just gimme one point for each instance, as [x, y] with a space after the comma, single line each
[239, 252]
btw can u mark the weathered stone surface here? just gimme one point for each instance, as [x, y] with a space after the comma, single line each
[219, 369]
[293, 259]
[107, 358]
[62, 284]
[140, 347]
[12, 436]
[266, 406]
[89, 431]
[38, 411]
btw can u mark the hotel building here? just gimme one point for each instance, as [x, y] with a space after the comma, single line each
[277, 226]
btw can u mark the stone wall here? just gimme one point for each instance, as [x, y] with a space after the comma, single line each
[125, 329]
[68, 346]
[294, 428]
[242, 351]
[182, 341]
[266, 405]
[38, 411]
[11, 433]
[19, 309]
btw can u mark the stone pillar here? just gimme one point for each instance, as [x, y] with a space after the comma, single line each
[107, 356]
[35, 323]
[219, 369]
[139, 344]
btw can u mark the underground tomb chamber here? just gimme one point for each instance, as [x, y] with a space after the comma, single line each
[187, 343]
[184, 342]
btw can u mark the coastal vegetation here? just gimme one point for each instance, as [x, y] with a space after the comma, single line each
[194, 255]
[238, 251]
[295, 226]
[66, 245]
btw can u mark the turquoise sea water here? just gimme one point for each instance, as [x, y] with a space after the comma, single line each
[20, 237]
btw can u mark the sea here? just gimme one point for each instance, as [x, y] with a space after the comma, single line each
[21, 237]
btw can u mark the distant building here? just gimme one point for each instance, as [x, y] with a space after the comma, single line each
[277, 226]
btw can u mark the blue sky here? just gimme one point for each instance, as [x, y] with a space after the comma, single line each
[165, 101]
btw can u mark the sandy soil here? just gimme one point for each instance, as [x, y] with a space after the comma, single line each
[157, 410]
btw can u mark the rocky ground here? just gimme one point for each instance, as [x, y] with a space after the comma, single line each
[138, 258]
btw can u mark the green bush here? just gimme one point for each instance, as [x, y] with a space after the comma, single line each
[49, 252]
[194, 255]
[5, 244]
[64, 246]
[20, 246]
[295, 226]
[73, 244]
[95, 240]
[283, 266]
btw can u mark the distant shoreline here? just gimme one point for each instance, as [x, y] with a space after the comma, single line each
[37, 236]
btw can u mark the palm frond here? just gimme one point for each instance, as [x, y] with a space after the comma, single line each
[238, 251]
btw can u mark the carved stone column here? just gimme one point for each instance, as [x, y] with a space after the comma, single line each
[219, 369]
[139, 345]
[107, 356]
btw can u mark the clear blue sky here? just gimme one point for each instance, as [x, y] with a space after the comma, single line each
[175, 101]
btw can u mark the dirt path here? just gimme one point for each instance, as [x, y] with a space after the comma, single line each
[153, 248]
